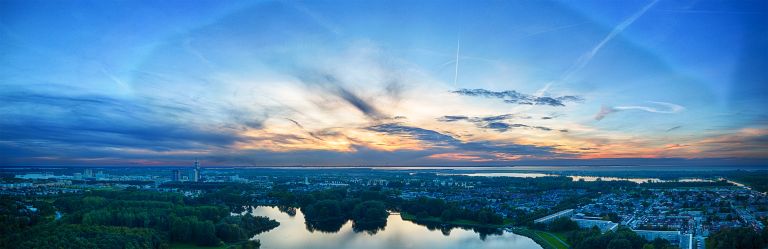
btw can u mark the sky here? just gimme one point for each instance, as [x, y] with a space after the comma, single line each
[387, 83]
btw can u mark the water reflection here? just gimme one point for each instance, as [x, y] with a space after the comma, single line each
[579, 177]
[395, 233]
[505, 174]
[326, 226]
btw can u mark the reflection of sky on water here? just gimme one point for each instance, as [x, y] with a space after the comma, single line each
[585, 178]
[523, 175]
[398, 233]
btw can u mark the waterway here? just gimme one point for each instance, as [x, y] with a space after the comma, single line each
[398, 233]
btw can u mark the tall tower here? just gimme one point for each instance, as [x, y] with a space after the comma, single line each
[197, 171]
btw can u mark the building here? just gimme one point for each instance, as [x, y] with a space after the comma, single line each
[603, 225]
[197, 175]
[176, 176]
[88, 173]
[684, 241]
[549, 218]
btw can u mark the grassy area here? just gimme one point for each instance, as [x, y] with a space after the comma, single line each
[459, 222]
[544, 239]
[193, 246]
[562, 236]
[552, 240]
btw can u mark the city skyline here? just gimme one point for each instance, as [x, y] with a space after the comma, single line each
[383, 83]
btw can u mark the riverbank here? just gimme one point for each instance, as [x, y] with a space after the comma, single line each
[459, 222]
[545, 239]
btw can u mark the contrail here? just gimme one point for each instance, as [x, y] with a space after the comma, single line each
[456, 72]
[587, 57]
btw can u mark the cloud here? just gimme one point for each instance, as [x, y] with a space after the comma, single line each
[91, 120]
[334, 86]
[421, 134]
[302, 127]
[448, 143]
[495, 122]
[666, 108]
[674, 128]
[498, 126]
[514, 97]
[452, 118]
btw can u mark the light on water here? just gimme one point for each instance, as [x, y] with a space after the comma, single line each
[398, 233]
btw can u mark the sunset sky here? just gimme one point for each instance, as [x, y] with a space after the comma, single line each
[271, 83]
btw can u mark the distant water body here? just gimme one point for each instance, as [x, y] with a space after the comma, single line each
[398, 233]
[583, 178]
[579, 168]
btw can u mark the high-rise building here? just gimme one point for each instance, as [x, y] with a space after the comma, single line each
[197, 174]
[88, 173]
[176, 175]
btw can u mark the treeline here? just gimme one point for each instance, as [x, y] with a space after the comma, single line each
[145, 219]
[738, 238]
[757, 180]
[685, 184]
[328, 210]
[15, 216]
[562, 224]
[58, 235]
[623, 238]
[426, 208]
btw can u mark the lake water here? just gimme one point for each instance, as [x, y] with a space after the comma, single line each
[504, 174]
[578, 177]
[398, 233]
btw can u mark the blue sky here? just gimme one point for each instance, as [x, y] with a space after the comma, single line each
[379, 82]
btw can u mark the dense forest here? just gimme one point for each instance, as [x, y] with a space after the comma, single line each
[126, 219]
[741, 238]
[758, 180]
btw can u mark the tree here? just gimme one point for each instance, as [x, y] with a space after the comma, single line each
[563, 224]
[205, 234]
[448, 215]
[736, 238]
[619, 244]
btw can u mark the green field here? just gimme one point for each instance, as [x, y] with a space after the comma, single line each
[545, 239]
[193, 246]
[553, 240]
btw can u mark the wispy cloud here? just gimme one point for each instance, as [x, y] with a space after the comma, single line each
[335, 87]
[451, 144]
[495, 122]
[674, 128]
[514, 97]
[666, 108]
[100, 121]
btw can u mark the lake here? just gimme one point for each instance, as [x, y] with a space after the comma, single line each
[398, 233]
[582, 178]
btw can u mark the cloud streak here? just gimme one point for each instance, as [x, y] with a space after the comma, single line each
[514, 97]
[587, 57]
[665, 108]
[335, 87]
[495, 122]
[450, 144]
